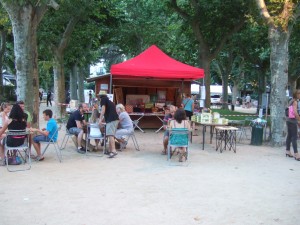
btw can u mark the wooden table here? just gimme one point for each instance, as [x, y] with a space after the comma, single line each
[212, 127]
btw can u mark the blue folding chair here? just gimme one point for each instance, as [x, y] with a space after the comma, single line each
[178, 138]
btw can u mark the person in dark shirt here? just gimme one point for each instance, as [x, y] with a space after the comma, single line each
[75, 125]
[90, 98]
[49, 95]
[110, 117]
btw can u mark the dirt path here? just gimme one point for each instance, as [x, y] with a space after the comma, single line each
[257, 185]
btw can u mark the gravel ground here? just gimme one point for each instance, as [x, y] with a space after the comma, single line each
[256, 185]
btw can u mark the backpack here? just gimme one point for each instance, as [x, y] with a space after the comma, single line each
[289, 111]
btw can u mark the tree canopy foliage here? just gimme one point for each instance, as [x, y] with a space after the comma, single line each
[227, 38]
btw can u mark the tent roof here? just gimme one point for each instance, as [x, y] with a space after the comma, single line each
[154, 63]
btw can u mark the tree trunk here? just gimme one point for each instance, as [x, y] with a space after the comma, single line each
[2, 51]
[80, 84]
[24, 24]
[73, 82]
[25, 18]
[279, 41]
[235, 92]
[225, 91]
[261, 88]
[292, 83]
[205, 64]
[59, 83]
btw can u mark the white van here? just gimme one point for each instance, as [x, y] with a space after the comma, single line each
[215, 92]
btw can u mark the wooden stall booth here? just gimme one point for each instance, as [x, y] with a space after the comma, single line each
[147, 83]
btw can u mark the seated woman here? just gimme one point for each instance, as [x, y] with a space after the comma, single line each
[16, 122]
[125, 125]
[180, 121]
[168, 117]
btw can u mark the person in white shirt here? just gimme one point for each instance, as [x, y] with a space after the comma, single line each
[125, 125]
[248, 101]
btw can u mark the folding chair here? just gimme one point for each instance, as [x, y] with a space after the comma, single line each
[18, 134]
[132, 136]
[247, 127]
[241, 130]
[178, 138]
[66, 137]
[54, 143]
[93, 133]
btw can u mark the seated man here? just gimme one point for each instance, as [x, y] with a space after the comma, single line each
[75, 125]
[169, 116]
[45, 134]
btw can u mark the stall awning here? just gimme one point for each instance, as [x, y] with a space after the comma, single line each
[154, 63]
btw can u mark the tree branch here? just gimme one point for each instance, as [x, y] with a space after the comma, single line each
[174, 5]
[286, 14]
[226, 37]
[67, 34]
[41, 9]
[195, 6]
[297, 12]
[264, 12]
[3, 42]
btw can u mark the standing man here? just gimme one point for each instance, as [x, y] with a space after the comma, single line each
[41, 96]
[49, 95]
[75, 125]
[45, 134]
[90, 99]
[111, 118]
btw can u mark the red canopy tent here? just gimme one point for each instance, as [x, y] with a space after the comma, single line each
[154, 63]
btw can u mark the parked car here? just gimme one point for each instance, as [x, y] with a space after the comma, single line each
[215, 98]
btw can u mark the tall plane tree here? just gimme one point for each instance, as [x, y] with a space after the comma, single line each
[213, 24]
[25, 17]
[280, 16]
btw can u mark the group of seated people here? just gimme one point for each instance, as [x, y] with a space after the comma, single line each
[16, 118]
[118, 123]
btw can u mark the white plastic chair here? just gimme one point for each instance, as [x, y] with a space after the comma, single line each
[18, 134]
[93, 133]
[54, 143]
